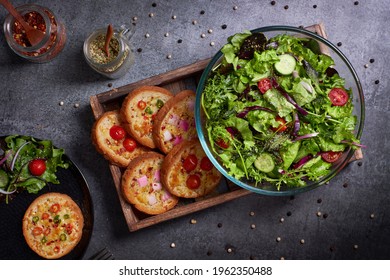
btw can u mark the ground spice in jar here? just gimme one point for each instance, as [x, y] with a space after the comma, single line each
[96, 48]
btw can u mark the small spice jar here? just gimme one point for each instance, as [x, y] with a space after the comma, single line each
[40, 18]
[121, 56]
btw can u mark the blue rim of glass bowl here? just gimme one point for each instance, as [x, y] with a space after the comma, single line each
[242, 184]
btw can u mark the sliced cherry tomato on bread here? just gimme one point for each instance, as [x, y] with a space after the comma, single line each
[55, 208]
[117, 132]
[331, 156]
[129, 144]
[264, 85]
[338, 96]
[68, 228]
[190, 162]
[45, 216]
[37, 231]
[141, 104]
[205, 164]
[193, 181]
[47, 231]
[37, 167]
[282, 127]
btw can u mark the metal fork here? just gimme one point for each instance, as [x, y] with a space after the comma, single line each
[103, 254]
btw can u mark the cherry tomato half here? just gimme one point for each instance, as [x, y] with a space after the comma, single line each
[117, 132]
[193, 182]
[55, 208]
[190, 162]
[129, 144]
[282, 127]
[338, 96]
[221, 143]
[331, 156]
[205, 164]
[264, 85]
[37, 167]
[37, 231]
[141, 104]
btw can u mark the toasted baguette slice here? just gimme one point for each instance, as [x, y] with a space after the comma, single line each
[53, 225]
[113, 150]
[175, 121]
[141, 185]
[179, 180]
[139, 110]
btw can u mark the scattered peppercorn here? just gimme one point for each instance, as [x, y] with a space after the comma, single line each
[224, 26]
[356, 3]
[109, 85]
[360, 163]
[273, 3]
[325, 216]
[154, 5]
[377, 82]
[289, 213]
[139, 50]
[202, 12]
[372, 60]
[339, 44]
[209, 253]
[180, 41]
[319, 200]
[345, 185]
[286, 7]
[314, 6]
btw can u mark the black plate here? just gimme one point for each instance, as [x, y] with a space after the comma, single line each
[12, 243]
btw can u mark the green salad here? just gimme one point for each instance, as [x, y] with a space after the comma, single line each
[28, 164]
[276, 111]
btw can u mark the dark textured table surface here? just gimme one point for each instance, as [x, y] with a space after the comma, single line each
[346, 219]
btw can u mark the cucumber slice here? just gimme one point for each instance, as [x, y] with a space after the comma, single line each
[286, 64]
[264, 163]
[4, 179]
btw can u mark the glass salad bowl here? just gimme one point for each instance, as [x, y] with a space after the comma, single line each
[265, 162]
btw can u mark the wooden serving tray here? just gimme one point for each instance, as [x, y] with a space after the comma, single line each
[186, 77]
